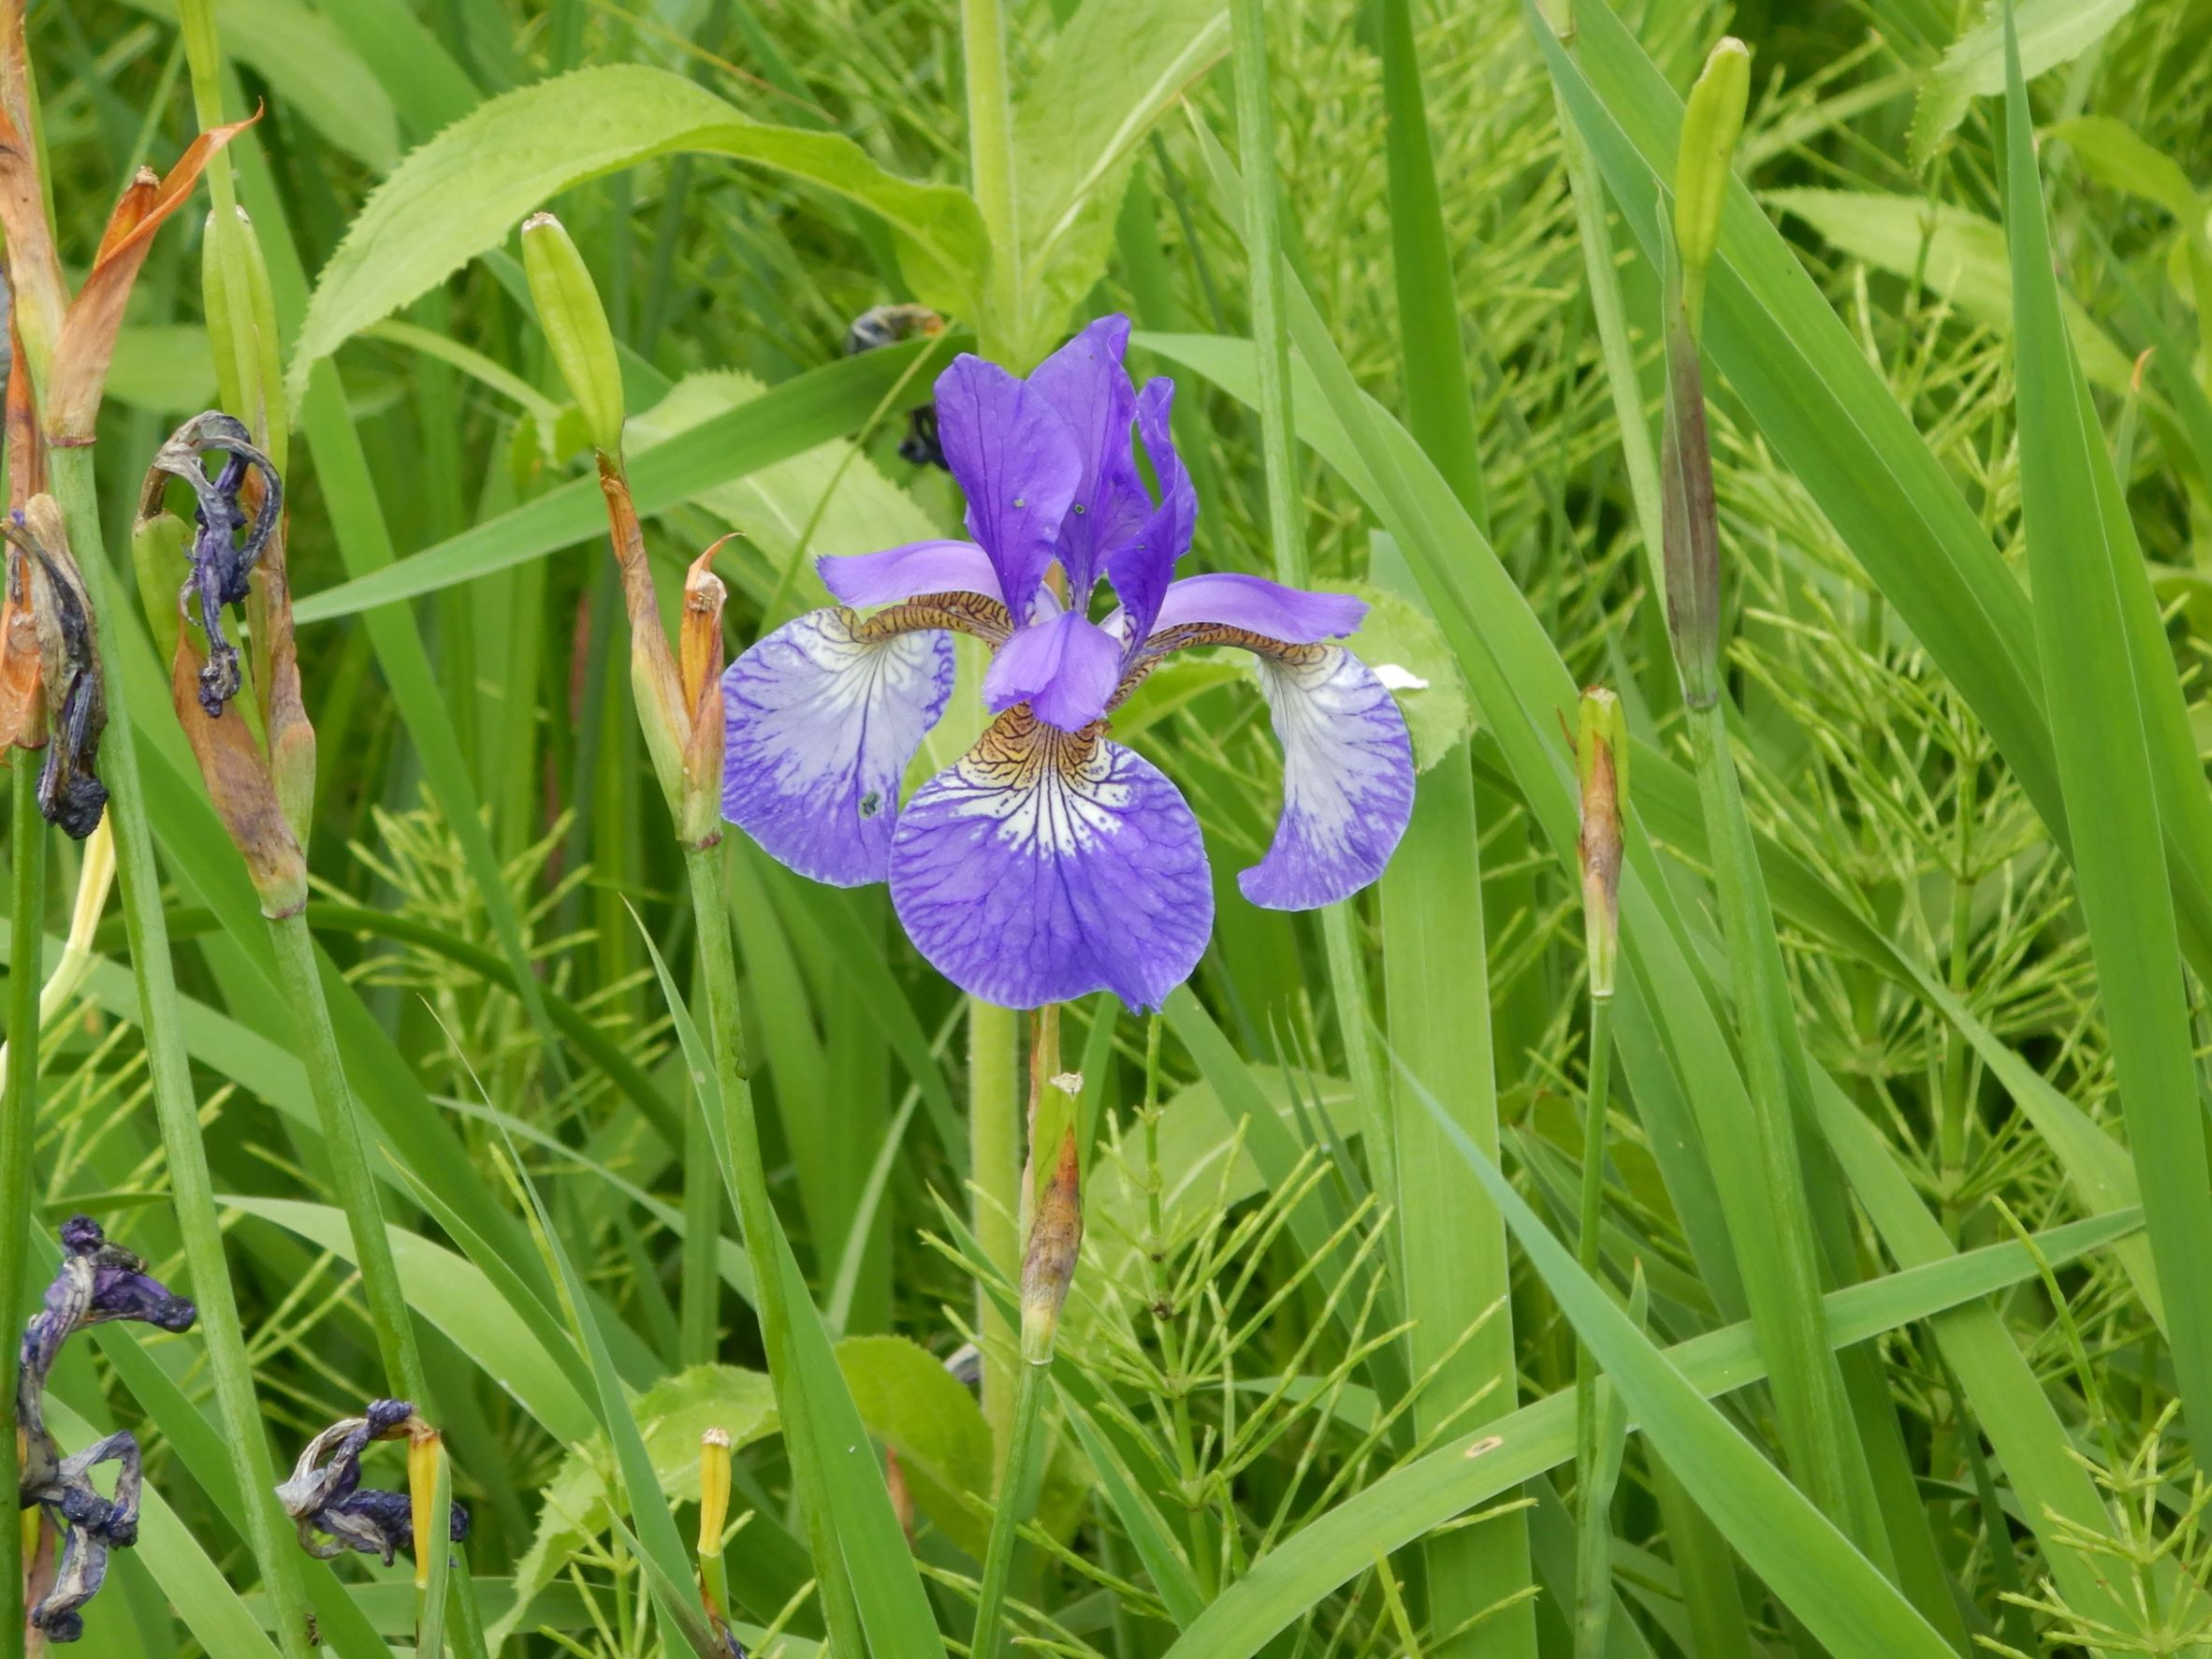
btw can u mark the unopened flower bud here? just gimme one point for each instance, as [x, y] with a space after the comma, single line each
[160, 559]
[1711, 122]
[425, 1474]
[1601, 756]
[1689, 520]
[242, 329]
[714, 1489]
[576, 328]
[699, 675]
[1048, 1266]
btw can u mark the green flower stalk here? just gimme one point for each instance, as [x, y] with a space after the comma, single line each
[1601, 761]
[1053, 1230]
[680, 710]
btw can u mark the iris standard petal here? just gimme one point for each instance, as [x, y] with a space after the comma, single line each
[822, 721]
[900, 573]
[1044, 865]
[1085, 380]
[1016, 460]
[1064, 668]
[1347, 776]
[1141, 567]
[1260, 606]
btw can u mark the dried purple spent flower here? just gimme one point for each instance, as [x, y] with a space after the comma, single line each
[99, 1282]
[70, 794]
[325, 1494]
[227, 538]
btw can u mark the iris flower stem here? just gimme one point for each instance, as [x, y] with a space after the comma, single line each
[1015, 1494]
[1271, 332]
[349, 1158]
[990, 160]
[756, 1217]
[192, 1190]
[995, 1166]
[1593, 1568]
[18, 1108]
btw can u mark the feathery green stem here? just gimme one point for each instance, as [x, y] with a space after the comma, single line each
[192, 1191]
[18, 1108]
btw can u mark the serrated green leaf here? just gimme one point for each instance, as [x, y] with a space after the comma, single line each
[2052, 32]
[466, 190]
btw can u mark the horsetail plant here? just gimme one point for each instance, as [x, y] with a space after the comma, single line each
[1818, 1433]
[680, 710]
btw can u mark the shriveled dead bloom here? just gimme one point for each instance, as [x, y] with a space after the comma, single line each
[263, 793]
[325, 1495]
[47, 610]
[99, 1282]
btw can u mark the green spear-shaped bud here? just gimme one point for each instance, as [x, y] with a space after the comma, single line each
[576, 328]
[1600, 756]
[1712, 123]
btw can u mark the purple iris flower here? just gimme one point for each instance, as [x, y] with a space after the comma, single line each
[1049, 861]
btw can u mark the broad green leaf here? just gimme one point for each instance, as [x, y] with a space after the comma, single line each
[466, 190]
[927, 1417]
[830, 498]
[1960, 255]
[309, 64]
[671, 1416]
[2052, 32]
[1115, 67]
[1407, 651]
[2113, 153]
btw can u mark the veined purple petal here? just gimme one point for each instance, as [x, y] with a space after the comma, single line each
[1347, 777]
[1064, 668]
[1292, 614]
[822, 723]
[1045, 864]
[1084, 380]
[1016, 460]
[900, 573]
[1142, 568]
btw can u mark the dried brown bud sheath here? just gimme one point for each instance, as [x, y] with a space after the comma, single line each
[1048, 1266]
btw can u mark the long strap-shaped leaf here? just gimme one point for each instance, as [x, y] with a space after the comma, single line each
[2104, 767]
[1471, 1470]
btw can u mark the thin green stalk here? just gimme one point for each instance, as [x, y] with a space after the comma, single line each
[991, 159]
[357, 1196]
[1270, 333]
[1815, 1419]
[995, 1168]
[192, 1191]
[18, 1108]
[756, 1217]
[1022, 1468]
[1593, 1599]
[699, 1313]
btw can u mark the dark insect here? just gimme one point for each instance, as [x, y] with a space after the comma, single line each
[97, 1281]
[325, 1494]
[887, 325]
